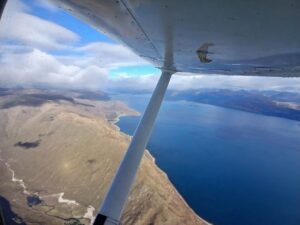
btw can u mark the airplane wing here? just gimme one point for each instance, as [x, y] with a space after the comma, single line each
[252, 37]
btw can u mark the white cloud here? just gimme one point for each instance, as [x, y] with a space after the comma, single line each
[25, 58]
[23, 65]
[19, 26]
[36, 67]
[184, 82]
[111, 55]
[188, 81]
[133, 83]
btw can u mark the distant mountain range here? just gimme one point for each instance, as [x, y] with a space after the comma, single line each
[271, 103]
[283, 104]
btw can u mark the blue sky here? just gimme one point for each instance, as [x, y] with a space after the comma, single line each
[87, 33]
[49, 46]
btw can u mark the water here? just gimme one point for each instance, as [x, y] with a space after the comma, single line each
[232, 167]
[33, 200]
[9, 217]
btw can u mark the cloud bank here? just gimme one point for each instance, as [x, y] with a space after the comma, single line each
[19, 26]
[27, 58]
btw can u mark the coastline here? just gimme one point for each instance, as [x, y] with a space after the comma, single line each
[153, 186]
[152, 158]
[118, 116]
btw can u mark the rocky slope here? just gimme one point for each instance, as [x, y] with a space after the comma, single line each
[58, 158]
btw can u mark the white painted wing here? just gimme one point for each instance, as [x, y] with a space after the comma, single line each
[230, 37]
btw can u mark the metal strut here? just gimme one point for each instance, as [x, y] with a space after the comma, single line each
[115, 199]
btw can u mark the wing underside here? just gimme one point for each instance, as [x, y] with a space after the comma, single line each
[229, 37]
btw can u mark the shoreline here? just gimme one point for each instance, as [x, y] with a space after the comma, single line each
[117, 118]
[148, 154]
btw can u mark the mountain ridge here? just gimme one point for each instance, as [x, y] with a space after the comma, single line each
[67, 174]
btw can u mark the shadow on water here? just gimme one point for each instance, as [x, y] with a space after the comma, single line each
[8, 217]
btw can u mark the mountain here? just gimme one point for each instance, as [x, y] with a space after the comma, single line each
[270, 103]
[58, 154]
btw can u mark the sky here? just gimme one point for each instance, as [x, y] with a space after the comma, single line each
[41, 44]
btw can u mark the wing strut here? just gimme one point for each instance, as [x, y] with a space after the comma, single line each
[115, 199]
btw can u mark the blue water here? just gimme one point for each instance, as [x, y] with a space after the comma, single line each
[232, 167]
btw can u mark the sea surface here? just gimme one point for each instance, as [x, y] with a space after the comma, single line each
[232, 167]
